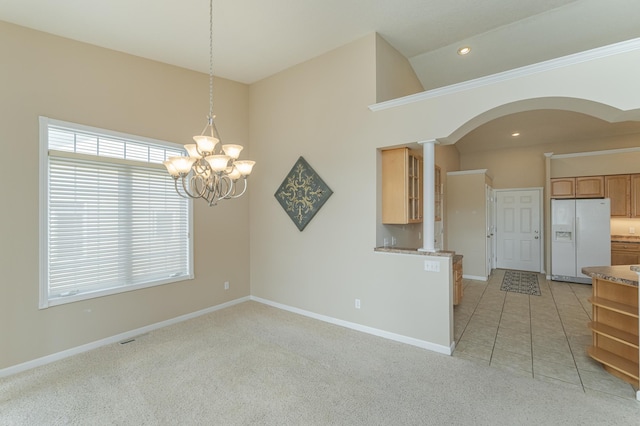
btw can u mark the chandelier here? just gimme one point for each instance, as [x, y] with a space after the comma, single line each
[211, 171]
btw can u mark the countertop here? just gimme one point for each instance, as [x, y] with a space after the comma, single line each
[622, 274]
[401, 250]
[625, 239]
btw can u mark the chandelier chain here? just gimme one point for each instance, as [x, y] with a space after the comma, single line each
[210, 60]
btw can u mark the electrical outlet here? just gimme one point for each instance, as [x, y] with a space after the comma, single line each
[226, 285]
[393, 241]
[357, 303]
[432, 266]
[632, 230]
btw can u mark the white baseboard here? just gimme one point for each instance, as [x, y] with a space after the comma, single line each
[113, 339]
[447, 350]
[474, 277]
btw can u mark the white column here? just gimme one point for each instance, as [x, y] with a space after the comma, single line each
[428, 199]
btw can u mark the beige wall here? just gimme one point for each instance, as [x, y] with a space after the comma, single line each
[318, 110]
[394, 75]
[507, 165]
[63, 79]
[467, 218]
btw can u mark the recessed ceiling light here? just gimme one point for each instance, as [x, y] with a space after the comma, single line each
[464, 50]
[515, 134]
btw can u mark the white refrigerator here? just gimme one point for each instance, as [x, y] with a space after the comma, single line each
[580, 236]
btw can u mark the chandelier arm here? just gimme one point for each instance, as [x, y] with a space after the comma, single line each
[244, 189]
[229, 187]
[175, 183]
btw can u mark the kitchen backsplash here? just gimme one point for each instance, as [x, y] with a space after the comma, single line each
[625, 227]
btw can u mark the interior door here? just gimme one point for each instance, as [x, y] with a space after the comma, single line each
[518, 229]
[490, 229]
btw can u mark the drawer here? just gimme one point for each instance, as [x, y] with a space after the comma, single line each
[626, 246]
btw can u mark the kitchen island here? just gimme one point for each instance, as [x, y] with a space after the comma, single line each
[615, 320]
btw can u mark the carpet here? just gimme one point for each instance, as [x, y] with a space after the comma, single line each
[521, 282]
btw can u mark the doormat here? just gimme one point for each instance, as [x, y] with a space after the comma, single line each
[521, 282]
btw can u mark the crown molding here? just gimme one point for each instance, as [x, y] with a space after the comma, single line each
[564, 61]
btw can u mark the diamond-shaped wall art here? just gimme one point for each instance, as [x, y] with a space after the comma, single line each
[302, 193]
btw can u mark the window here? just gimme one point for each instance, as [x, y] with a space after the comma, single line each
[111, 220]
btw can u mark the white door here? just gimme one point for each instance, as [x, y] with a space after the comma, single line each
[490, 220]
[518, 229]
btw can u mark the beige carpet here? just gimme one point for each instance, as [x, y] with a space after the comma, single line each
[253, 364]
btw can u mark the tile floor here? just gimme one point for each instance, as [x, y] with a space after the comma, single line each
[543, 337]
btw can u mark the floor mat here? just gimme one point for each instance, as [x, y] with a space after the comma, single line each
[521, 282]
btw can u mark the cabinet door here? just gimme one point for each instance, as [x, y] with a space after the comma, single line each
[618, 189]
[590, 187]
[563, 188]
[395, 184]
[401, 187]
[635, 195]
[623, 258]
[438, 194]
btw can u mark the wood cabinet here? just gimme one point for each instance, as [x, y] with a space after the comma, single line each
[624, 192]
[618, 189]
[457, 279]
[615, 328]
[401, 186]
[625, 253]
[578, 187]
[438, 194]
[563, 187]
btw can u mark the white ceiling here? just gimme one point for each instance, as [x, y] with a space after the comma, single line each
[254, 39]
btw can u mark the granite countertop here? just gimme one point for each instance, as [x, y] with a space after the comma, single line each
[625, 239]
[622, 274]
[401, 250]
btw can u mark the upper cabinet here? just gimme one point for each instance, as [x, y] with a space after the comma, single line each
[578, 187]
[438, 194]
[624, 192]
[401, 186]
[590, 187]
[563, 187]
[618, 189]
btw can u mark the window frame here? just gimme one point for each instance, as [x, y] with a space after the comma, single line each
[45, 300]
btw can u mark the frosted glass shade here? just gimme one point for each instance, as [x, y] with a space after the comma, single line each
[244, 167]
[206, 144]
[182, 164]
[218, 163]
[193, 150]
[170, 168]
[232, 151]
[234, 174]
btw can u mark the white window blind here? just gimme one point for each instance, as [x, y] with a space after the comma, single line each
[113, 219]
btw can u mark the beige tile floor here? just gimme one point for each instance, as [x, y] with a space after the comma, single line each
[543, 337]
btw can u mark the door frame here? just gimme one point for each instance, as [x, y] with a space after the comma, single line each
[541, 218]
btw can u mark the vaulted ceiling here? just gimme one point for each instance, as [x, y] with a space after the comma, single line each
[256, 38]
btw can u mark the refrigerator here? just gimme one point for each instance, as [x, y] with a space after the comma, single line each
[580, 236]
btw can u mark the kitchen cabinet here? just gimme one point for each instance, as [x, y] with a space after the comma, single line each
[625, 253]
[624, 192]
[402, 179]
[457, 279]
[438, 194]
[615, 321]
[578, 187]
[618, 189]
[590, 187]
[563, 187]
[635, 195]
